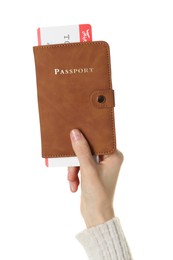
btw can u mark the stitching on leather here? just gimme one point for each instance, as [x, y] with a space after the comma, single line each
[71, 45]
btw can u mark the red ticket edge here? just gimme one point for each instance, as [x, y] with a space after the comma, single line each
[85, 32]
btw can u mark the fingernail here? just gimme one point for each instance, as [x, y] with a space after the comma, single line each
[75, 135]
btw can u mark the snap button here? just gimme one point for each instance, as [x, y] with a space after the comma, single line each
[101, 99]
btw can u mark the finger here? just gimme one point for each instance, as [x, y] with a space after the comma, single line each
[103, 157]
[81, 148]
[115, 158]
[118, 157]
[73, 178]
[72, 173]
[74, 185]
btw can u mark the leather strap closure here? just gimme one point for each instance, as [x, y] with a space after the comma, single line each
[103, 98]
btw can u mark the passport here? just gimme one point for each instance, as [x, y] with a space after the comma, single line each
[74, 88]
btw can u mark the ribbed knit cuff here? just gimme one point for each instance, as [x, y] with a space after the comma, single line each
[105, 242]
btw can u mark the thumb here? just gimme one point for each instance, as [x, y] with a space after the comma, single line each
[81, 148]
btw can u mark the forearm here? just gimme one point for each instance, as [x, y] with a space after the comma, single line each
[105, 242]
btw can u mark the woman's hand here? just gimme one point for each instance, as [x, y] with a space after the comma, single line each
[98, 181]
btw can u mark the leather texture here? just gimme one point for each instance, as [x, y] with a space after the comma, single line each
[74, 90]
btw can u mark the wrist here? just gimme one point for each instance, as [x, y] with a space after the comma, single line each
[95, 218]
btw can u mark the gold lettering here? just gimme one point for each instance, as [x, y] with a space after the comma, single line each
[62, 72]
[85, 70]
[56, 71]
[73, 71]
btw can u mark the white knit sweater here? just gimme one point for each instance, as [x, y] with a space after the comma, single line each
[105, 242]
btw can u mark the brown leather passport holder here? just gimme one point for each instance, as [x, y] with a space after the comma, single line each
[74, 90]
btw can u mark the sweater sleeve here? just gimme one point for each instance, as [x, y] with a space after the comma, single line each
[105, 242]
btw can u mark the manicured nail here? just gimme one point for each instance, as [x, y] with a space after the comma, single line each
[75, 135]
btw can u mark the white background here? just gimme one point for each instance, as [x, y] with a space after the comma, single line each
[39, 217]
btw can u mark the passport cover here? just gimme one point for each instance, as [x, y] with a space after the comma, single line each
[74, 89]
